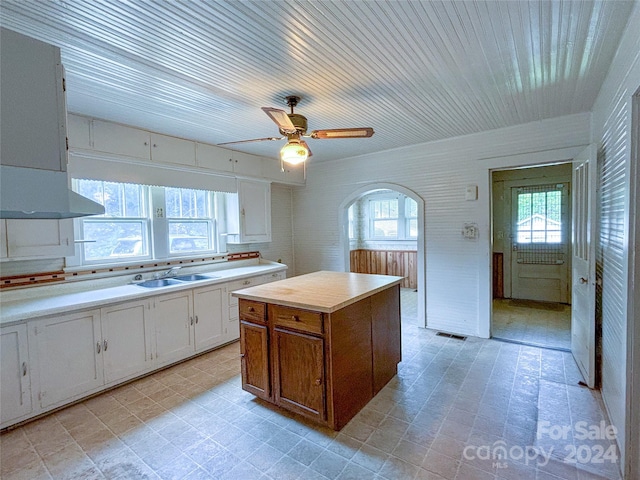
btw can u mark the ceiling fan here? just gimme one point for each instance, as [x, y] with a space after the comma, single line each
[293, 127]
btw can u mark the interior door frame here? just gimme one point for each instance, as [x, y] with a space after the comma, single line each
[343, 228]
[509, 162]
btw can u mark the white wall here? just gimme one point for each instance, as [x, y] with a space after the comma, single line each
[611, 131]
[458, 280]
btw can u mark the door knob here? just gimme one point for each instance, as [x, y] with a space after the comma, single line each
[583, 280]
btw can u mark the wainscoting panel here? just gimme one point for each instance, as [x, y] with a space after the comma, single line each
[401, 263]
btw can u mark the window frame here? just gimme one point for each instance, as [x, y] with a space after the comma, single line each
[155, 228]
[402, 220]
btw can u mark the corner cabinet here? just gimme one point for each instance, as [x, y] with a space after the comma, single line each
[249, 221]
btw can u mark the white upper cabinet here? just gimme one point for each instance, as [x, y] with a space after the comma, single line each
[79, 132]
[32, 102]
[165, 149]
[214, 158]
[249, 221]
[245, 164]
[272, 169]
[121, 140]
[115, 139]
[3, 239]
[39, 238]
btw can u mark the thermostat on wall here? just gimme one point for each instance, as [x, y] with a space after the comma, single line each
[471, 192]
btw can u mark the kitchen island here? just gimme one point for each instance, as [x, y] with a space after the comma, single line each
[321, 345]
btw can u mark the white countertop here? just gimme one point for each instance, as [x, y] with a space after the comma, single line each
[29, 303]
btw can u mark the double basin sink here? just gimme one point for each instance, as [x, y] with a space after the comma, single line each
[165, 282]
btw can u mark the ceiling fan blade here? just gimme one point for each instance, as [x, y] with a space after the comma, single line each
[252, 140]
[364, 132]
[281, 119]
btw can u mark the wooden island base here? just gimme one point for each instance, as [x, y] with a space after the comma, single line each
[321, 345]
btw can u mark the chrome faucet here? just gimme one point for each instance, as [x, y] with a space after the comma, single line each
[172, 272]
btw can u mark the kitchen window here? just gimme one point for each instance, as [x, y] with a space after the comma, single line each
[145, 222]
[393, 218]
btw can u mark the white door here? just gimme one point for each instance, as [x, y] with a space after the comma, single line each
[126, 340]
[583, 297]
[173, 318]
[15, 394]
[539, 267]
[210, 318]
[70, 356]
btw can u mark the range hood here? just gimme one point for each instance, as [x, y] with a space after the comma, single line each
[35, 193]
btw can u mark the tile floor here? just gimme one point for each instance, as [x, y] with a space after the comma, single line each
[541, 324]
[452, 406]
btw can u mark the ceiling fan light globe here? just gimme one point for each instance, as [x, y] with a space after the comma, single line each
[294, 153]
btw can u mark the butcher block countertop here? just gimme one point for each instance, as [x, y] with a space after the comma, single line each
[321, 291]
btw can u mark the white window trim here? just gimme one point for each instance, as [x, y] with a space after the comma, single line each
[401, 219]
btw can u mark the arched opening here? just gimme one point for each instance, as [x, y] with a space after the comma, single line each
[383, 224]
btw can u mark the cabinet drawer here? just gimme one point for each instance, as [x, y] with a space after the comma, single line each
[252, 311]
[297, 319]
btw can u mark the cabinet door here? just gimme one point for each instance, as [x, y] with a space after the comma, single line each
[254, 355]
[15, 394]
[126, 340]
[292, 174]
[299, 373]
[79, 132]
[120, 140]
[3, 238]
[210, 316]
[214, 158]
[255, 211]
[173, 319]
[246, 164]
[40, 238]
[69, 356]
[166, 149]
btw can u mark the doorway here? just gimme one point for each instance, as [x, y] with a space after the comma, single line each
[382, 232]
[532, 256]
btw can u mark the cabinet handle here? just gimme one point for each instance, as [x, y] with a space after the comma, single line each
[251, 309]
[99, 346]
[196, 318]
[24, 369]
[318, 381]
[105, 345]
[242, 355]
[246, 282]
[295, 318]
[583, 280]
[191, 320]
[154, 145]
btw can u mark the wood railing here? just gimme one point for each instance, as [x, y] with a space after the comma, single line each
[402, 263]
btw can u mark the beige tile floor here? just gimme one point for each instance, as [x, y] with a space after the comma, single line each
[452, 404]
[534, 323]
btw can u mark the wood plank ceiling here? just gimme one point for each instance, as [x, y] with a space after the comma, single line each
[416, 71]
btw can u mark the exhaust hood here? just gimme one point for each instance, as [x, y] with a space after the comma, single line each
[35, 193]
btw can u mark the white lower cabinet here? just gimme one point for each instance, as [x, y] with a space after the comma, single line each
[48, 362]
[209, 317]
[127, 338]
[15, 381]
[69, 350]
[173, 314]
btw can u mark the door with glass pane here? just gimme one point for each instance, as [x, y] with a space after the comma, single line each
[540, 235]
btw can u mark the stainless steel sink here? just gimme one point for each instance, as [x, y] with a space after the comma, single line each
[193, 277]
[161, 282]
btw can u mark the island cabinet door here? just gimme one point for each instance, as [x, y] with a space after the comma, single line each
[254, 354]
[299, 373]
